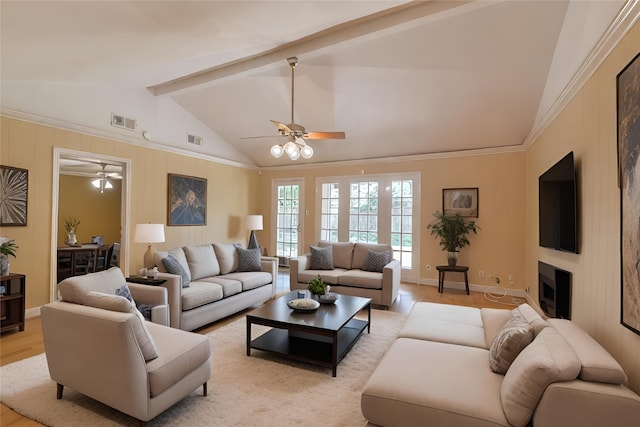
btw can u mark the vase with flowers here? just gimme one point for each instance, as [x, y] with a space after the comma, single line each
[71, 225]
[8, 248]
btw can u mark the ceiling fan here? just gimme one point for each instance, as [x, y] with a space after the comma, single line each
[296, 145]
[102, 182]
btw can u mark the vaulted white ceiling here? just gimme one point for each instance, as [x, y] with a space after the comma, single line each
[400, 78]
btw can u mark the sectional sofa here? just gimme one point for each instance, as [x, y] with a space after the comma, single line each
[464, 366]
[208, 282]
[359, 269]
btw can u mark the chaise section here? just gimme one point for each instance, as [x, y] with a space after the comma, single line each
[433, 384]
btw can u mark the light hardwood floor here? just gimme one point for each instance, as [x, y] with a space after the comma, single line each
[16, 345]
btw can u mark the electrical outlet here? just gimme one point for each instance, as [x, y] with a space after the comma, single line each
[527, 289]
[428, 267]
[512, 279]
[481, 274]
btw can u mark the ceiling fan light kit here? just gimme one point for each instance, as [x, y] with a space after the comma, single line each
[296, 146]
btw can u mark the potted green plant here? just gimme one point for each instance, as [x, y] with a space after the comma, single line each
[317, 286]
[453, 233]
[8, 248]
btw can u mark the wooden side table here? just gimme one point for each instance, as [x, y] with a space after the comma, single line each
[12, 302]
[442, 269]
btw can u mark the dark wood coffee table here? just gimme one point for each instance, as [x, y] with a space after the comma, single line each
[322, 337]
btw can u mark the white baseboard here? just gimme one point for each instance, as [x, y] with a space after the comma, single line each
[515, 293]
[32, 312]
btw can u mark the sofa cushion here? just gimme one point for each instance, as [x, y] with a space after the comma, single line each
[200, 293]
[514, 336]
[202, 261]
[530, 315]
[548, 359]
[251, 279]
[425, 383]
[248, 259]
[229, 286]
[173, 266]
[179, 354]
[342, 253]
[493, 319]
[227, 257]
[322, 258]
[329, 276]
[361, 252]
[75, 289]
[597, 364]
[361, 279]
[376, 261]
[121, 304]
[446, 323]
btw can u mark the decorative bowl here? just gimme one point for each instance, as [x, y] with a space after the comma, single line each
[328, 298]
[303, 305]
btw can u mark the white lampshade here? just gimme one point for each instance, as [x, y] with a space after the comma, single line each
[253, 222]
[295, 154]
[306, 151]
[149, 233]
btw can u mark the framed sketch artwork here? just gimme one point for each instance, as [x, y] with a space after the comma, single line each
[463, 201]
[187, 200]
[628, 94]
[13, 195]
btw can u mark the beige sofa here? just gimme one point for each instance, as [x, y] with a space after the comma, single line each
[212, 282]
[98, 344]
[438, 373]
[350, 275]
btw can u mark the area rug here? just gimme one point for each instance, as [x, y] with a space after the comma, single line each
[261, 390]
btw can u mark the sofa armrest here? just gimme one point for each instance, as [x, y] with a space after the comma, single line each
[270, 264]
[173, 286]
[586, 403]
[297, 264]
[152, 295]
[391, 275]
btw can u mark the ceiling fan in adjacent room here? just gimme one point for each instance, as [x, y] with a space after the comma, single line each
[103, 182]
[296, 134]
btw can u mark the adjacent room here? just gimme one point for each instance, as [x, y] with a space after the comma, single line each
[343, 213]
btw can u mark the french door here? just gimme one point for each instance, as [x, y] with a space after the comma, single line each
[288, 227]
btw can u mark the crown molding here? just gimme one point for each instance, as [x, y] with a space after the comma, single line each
[627, 17]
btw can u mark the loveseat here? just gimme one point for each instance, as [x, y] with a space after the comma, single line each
[444, 369]
[99, 344]
[358, 269]
[208, 282]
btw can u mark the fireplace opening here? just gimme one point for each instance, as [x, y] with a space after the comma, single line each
[554, 291]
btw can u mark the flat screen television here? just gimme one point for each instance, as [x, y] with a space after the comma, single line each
[557, 190]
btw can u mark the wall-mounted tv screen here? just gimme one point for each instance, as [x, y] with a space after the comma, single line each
[557, 189]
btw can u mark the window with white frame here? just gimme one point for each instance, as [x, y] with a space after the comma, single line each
[373, 209]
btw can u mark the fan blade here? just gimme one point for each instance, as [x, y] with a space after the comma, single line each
[325, 135]
[262, 136]
[282, 128]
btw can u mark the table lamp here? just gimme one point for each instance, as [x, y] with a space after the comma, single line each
[253, 222]
[149, 233]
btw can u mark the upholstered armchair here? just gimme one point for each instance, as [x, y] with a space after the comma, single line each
[98, 344]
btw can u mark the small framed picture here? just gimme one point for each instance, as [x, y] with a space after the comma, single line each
[463, 201]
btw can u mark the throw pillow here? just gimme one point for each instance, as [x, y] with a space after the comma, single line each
[321, 258]
[376, 261]
[124, 291]
[514, 336]
[173, 266]
[123, 305]
[248, 259]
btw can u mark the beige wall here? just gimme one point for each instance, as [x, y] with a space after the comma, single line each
[99, 214]
[498, 248]
[231, 194]
[588, 127]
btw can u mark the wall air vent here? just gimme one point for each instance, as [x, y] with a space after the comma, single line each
[194, 139]
[123, 122]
